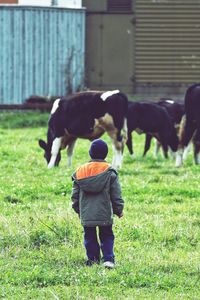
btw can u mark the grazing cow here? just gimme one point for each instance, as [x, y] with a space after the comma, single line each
[176, 112]
[190, 128]
[86, 115]
[152, 119]
[175, 109]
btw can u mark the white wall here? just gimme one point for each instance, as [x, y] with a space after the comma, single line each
[62, 3]
[35, 2]
[70, 3]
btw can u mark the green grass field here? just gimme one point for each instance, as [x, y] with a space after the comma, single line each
[41, 240]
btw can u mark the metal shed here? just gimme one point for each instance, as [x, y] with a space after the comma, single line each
[143, 46]
[167, 45]
[109, 44]
[42, 51]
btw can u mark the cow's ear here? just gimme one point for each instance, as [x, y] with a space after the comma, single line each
[42, 144]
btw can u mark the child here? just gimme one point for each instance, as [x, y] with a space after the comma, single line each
[96, 196]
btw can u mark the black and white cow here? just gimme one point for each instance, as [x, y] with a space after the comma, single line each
[190, 128]
[154, 120]
[86, 115]
[176, 111]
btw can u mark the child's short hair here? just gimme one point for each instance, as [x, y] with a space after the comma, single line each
[98, 149]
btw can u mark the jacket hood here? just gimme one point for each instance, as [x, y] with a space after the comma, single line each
[94, 184]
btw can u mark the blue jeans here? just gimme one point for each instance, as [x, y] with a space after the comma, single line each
[106, 238]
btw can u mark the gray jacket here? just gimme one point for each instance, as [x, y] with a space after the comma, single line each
[97, 198]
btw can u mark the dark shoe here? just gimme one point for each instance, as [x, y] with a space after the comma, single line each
[91, 262]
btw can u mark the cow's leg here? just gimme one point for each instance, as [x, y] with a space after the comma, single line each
[196, 153]
[117, 149]
[117, 157]
[114, 156]
[186, 151]
[179, 157]
[172, 153]
[129, 144]
[54, 152]
[147, 143]
[157, 148]
[186, 136]
[165, 150]
[196, 142]
[163, 141]
[70, 150]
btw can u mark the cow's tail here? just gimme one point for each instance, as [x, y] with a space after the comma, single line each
[124, 111]
[125, 103]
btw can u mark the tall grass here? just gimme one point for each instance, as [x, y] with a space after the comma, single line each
[42, 254]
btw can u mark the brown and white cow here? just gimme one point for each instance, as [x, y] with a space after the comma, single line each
[86, 115]
[190, 129]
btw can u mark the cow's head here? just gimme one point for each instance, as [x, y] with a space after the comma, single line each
[173, 140]
[47, 152]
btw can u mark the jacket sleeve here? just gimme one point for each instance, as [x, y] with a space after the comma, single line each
[75, 196]
[115, 194]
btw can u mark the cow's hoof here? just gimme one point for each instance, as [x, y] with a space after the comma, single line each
[178, 164]
[50, 166]
[117, 167]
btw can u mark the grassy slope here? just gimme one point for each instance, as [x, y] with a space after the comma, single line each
[42, 255]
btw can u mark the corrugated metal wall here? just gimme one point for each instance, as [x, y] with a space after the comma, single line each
[41, 50]
[167, 43]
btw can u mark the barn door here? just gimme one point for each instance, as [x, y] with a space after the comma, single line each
[109, 52]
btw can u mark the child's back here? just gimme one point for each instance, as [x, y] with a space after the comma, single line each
[96, 196]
